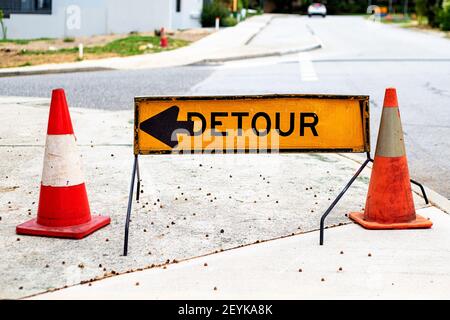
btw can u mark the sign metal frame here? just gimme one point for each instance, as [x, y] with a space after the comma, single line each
[364, 107]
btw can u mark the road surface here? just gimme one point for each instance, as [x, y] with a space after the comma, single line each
[358, 57]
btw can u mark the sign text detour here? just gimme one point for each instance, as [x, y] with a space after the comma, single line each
[268, 123]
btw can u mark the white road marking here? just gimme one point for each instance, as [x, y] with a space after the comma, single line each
[256, 62]
[307, 71]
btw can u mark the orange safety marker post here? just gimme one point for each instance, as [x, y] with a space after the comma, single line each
[63, 203]
[164, 42]
[389, 203]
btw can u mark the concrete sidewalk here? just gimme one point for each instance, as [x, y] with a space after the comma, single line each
[191, 205]
[227, 44]
[354, 263]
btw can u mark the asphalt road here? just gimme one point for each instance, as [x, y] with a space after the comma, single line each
[358, 57]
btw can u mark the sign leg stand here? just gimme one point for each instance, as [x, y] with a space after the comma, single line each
[369, 159]
[130, 201]
[421, 189]
[322, 220]
[138, 186]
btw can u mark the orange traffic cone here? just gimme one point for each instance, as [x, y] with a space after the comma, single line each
[164, 41]
[389, 203]
[63, 204]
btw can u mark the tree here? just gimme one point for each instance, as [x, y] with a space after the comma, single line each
[214, 9]
[2, 24]
[283, 5]
[444, 17]
[434, 8]
[421, 10]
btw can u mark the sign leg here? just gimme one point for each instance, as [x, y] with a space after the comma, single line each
[422, 189]
[138, 186]
[130, 201]
[322, 220]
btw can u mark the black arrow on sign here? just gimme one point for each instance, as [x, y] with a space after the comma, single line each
[163, 125]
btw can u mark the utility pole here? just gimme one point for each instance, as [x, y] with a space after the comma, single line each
[405, 8]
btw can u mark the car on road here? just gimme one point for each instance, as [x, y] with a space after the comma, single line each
[317, 9]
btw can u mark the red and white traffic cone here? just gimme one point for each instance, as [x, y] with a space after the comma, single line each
[63, 203]
[389, 203]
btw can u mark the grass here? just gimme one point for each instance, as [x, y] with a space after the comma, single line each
[398, 21]
[395, 19]
[133, 44]
[129, 46]
[402, 21]
[413, 22]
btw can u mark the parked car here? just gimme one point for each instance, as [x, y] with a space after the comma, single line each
[317, 9]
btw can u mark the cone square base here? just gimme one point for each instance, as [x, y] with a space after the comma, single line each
[80, 231]
[419, 223]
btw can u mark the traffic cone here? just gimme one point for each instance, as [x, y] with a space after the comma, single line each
[63, 203]
[389, 203]
[164, 41]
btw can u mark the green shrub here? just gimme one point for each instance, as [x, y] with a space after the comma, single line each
[229, 21]
[68, 39]
[434, 8]
[444, 17]
[212, 10]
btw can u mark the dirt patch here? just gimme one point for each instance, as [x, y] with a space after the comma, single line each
[12, 52]
[12, 59]
[191, 35]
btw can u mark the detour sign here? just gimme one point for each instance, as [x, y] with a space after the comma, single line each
[263, 123]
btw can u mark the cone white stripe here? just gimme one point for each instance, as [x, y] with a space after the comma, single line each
[390, 141]
[62, 162]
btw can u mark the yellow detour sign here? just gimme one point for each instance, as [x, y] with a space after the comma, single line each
[263, 123]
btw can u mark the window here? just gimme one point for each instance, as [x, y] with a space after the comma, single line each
[178, 6]
[26, 6]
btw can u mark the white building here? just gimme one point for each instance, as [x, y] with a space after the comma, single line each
[27, 19]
